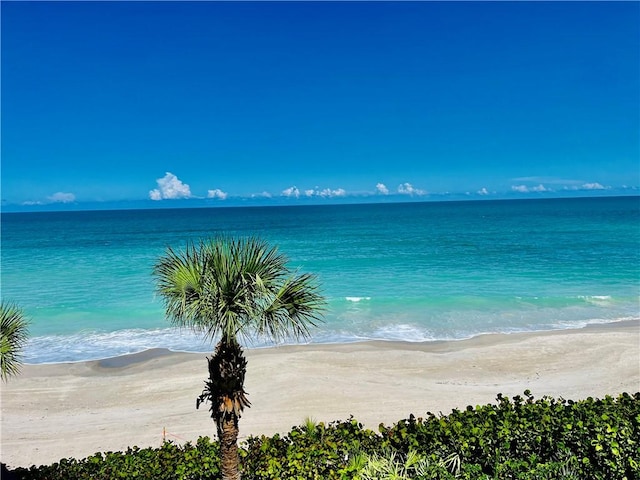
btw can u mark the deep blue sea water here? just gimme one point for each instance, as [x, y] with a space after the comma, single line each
[404, 271]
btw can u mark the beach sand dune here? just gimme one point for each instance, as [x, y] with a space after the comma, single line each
[57, 411]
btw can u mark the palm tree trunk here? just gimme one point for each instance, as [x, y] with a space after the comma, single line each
[225, 391]
[228, 435]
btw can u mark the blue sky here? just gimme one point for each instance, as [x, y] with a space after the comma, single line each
[170, 104]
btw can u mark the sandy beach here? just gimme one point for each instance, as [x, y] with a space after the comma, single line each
[57, 411]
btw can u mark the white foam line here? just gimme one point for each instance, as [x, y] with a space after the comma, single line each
[96, 346]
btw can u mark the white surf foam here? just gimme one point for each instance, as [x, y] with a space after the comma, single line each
[356, 299]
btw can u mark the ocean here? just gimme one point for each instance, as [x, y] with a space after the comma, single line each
[393, 271]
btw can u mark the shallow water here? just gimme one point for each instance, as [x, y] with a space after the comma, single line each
[410, 271]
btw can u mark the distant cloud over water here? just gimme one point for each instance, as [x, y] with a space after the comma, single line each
[382, 188]
[326, 192]
[61, 197]
[559, 183]
[408, 189]
[291, 192]
[588, 186]
[217, 193]
[58, 197]
[170, 187]
[294, 192]
[525, 189]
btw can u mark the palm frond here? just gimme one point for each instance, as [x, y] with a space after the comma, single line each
[293, 311]
[179, 282]
[14, 332]
[228, 287]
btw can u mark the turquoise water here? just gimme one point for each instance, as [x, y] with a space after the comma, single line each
[410, 271]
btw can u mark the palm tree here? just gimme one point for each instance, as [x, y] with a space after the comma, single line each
[228, 289]
[13, 336]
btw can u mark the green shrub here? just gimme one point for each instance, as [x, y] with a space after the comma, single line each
[169, 462]
[391, 465]
[313, 451]
[520, 438]
[519, 435]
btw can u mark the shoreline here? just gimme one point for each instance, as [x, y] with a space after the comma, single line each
[62, 410]
[160, 351]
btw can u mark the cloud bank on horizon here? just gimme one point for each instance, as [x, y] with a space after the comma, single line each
[58, 197]
[170, 187]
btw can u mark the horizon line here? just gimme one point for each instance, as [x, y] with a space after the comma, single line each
[201, 203]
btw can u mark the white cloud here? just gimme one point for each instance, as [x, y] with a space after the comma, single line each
[483, 191]
[408, 189]
[291, 192]
[325, 193]
[540, 188]
[216, 193]
[567, 184]
[382, 188]
[587, 186]
[58, 197]
[170, 187]
[524, 189]
[339, 192]
[62, 197]
[593, 186]
[264, 194]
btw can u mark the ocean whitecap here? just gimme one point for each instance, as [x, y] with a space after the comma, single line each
[356, 299]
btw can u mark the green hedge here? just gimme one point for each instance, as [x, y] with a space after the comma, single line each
[520, 438]
[169, 462]
[591, 439]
